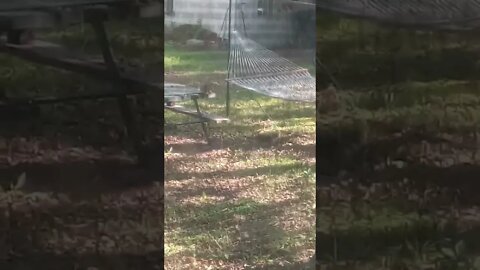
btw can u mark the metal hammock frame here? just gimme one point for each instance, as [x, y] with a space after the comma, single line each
[448, 15]
[256, 68]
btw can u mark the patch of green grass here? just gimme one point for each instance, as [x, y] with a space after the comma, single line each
[215, 213]
[204, 61]
[195, 229]
[171, 62]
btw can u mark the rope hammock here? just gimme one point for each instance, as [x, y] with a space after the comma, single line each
[454, 15]
[256, 68]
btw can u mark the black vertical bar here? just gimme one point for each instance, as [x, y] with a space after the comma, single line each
[229, 55]
[317, 139]
[244, 26]
[203, 123]
[125, 108]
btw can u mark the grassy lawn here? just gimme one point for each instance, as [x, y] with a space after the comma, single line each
[398, 183]
[247, 201]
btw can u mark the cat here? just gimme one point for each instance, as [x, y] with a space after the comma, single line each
[207, 89]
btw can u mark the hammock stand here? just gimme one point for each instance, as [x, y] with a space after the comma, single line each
[255, 68]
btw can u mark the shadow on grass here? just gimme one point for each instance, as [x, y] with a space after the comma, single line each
[280, 112]
[377, 242]
[237, 236]
[372, 241]
[353, 66]
[391, 225]
[45, 230]
[243, 142]
[463, 177]
[272, 170]
[51, 261]
[81, 179]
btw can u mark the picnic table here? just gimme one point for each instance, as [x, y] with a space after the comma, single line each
[174, 93]
[20, 16]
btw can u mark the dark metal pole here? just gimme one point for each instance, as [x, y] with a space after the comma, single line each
[229, 55]
[123, 102]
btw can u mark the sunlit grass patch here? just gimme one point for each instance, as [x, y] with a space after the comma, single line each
[196, 61]
[210, 243]
[171, 62]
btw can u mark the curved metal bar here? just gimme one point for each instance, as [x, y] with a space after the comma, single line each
[456, 15]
